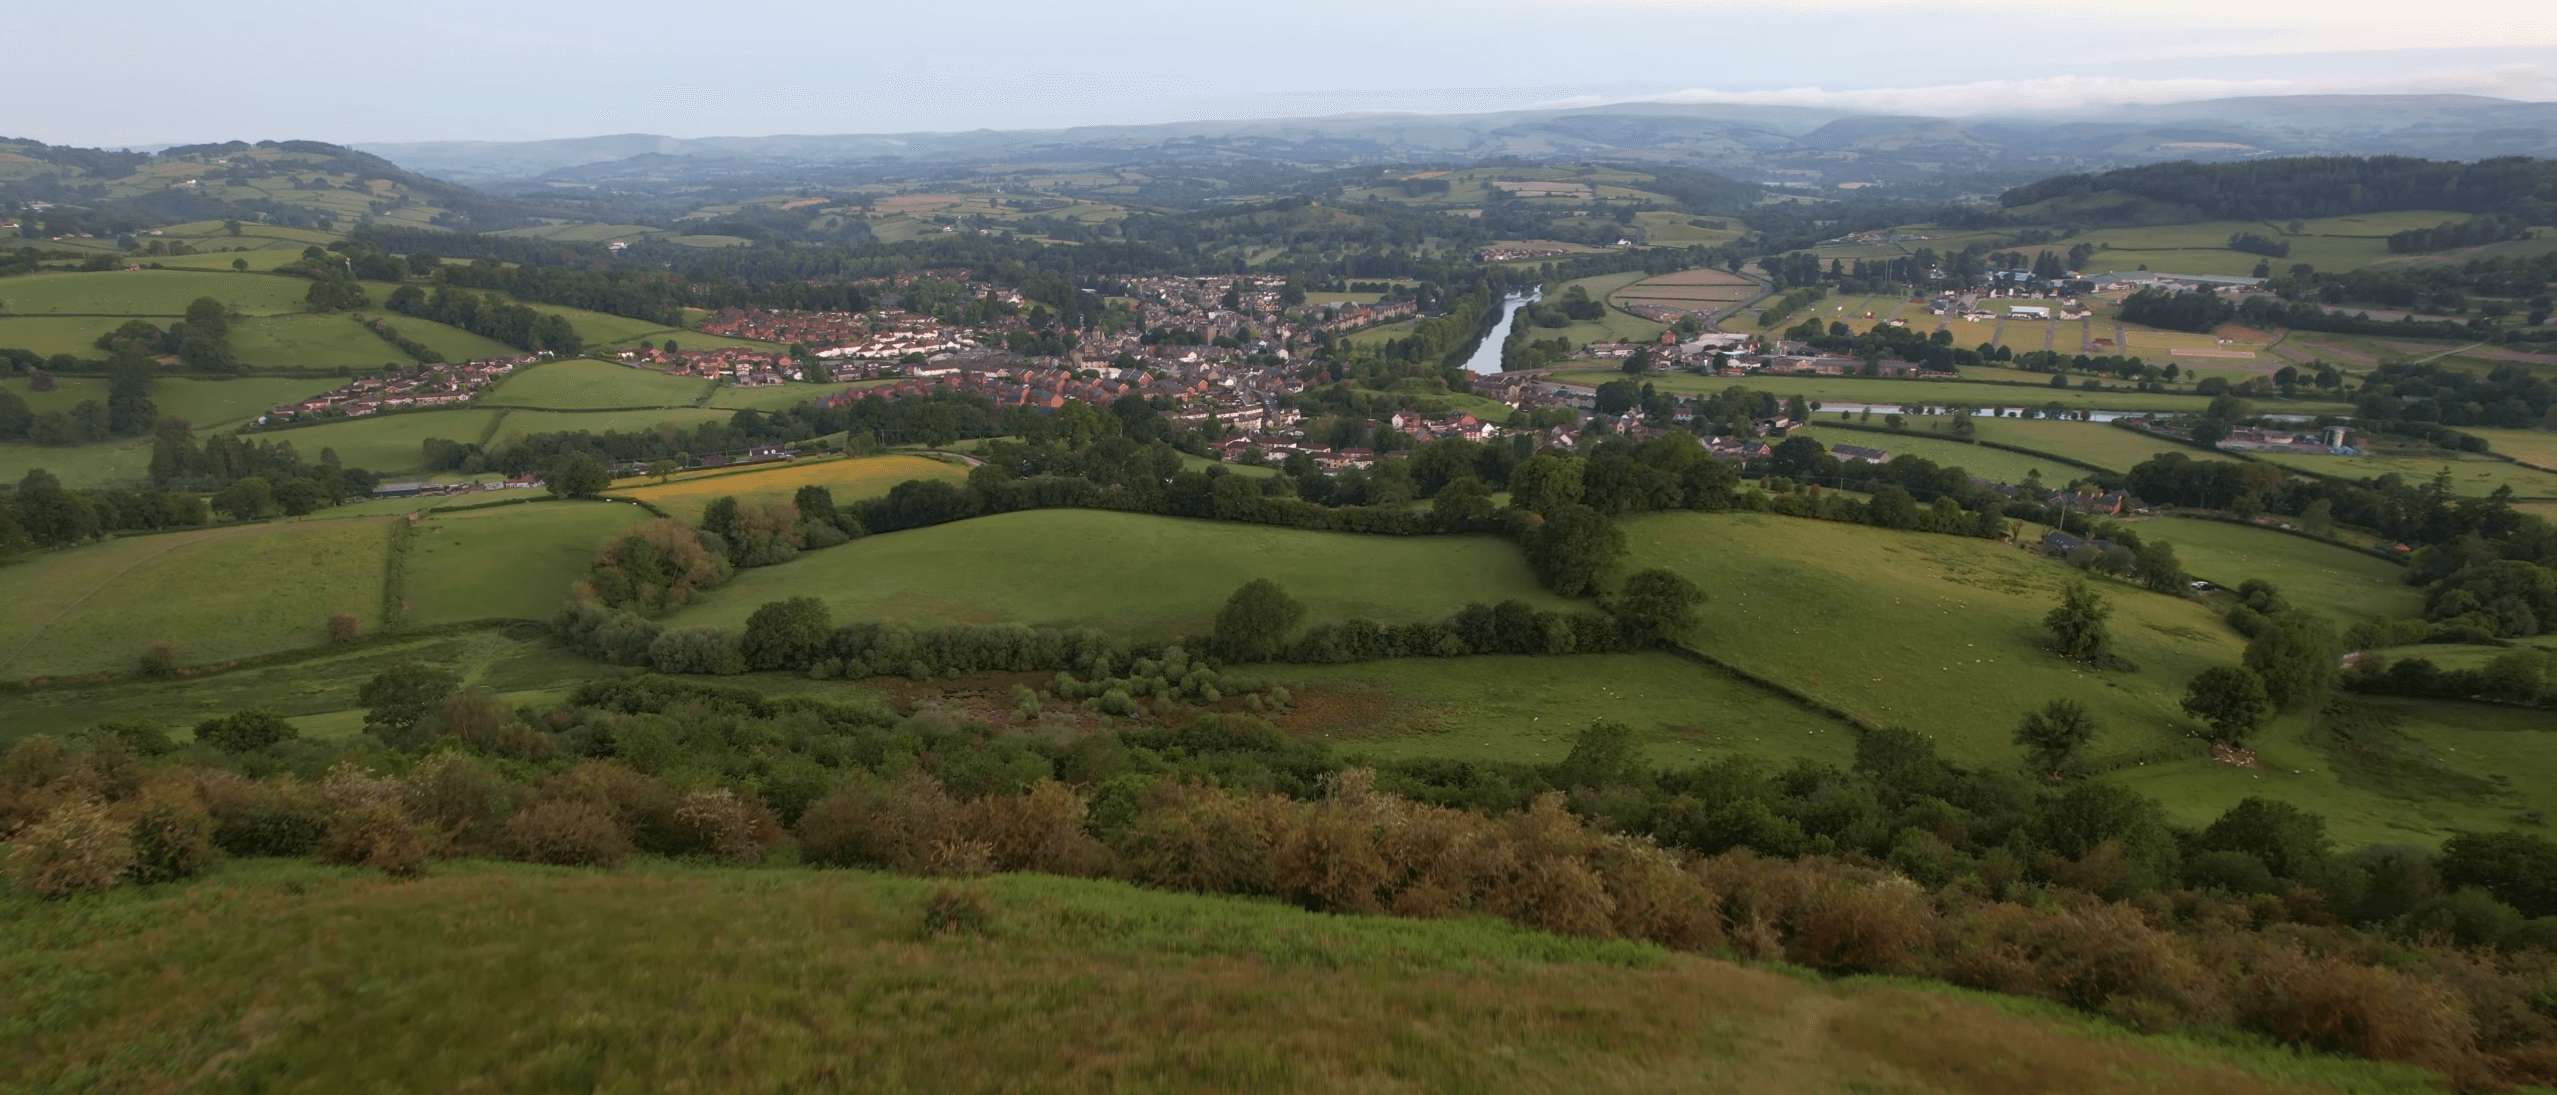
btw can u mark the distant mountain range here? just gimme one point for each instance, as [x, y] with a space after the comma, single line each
[1800, 146]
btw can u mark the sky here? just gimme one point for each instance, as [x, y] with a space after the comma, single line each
[181, 71]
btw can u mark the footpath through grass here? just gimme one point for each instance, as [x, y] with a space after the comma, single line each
[278, 976]
[1134, 575]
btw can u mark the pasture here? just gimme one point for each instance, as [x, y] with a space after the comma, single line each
[2345, 586]
[1986, 463]
[1701, 289]
[2470, 474]
[1940, 634]
[775, 397]
[1938, 393]
[150, 292]
[584, 384]
[1494, 709]
[318, 341]
[386, 443]
[50, 335]
[851, 480]
[513, 562]
[521, 423]
[211, 594]
[1129, 574]
[2095, 443]
[2534, 447]
[97, 464]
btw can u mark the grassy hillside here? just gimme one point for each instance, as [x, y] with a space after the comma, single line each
[390, 443]
[511, 561]
[866, 477]
[1128, 573]
[2347, 586]
[1937, 633]
[674, 978]
[1526, 710]
[2093, 442]
[211, 594]
[580, 384]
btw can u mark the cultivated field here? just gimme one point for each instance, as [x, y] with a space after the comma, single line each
[1700, 290]
[1526, 710]
[507, 562]
[639, 977]
[2347, 586]
[584, 384]
[1129, 574]
[211, 594]
[851, 480]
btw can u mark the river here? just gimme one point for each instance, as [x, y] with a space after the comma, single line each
[1486, 359]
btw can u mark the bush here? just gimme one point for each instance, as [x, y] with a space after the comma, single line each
[379, 835]
[718, 824]
[902, 826]
[2340, 1007]
[1202, 840]
[342, 627]
[1042, 831]
[706, 650]
[172, 838]
[566, 834]
[246, 730]
[484, 724]
[79, 846]
[265, 818]
[1875, 927]
[460, 804]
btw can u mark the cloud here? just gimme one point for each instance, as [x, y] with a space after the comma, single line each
[2055, 93]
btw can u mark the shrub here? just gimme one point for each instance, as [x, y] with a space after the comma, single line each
[1324, 857]
[875, 824]
[958, 910]
[377, 834]
[265, 818]
[172, 838]
[1874, 927]
[245, 730]
[2341, 1007]
[697, 650]
[718, 824]
[640, 805]
[79, 846]
[566, 834]
[484, 724]
[1042, 830]
[144, 738]
[460, 803]
[1201, 840]
[342, 627]
[158, 663]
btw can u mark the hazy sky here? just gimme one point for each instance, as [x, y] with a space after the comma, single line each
[162, 71]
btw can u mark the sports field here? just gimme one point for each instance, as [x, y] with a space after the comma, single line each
[583, 384]
[1130, 574]
[1942, 634]
[2347, 586]
[1526, 710]
[507, 562]
[211, 594]
[852, 479]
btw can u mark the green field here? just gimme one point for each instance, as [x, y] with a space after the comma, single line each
[525, 423]
[50, 335]
[2347, 586]
[2092, 442]
[507, 562]
[211, 594]
[583, 384]
[775, 398]
[79, 465]
[2470, 474]
[1941, 634]
[663, 977]
[336, 341]
[1939, 392]
[1494, 708]
[387, 443]
[2536, 447]
[151, 292]
[1986, 463]
[1130, 574]
[850, 480]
